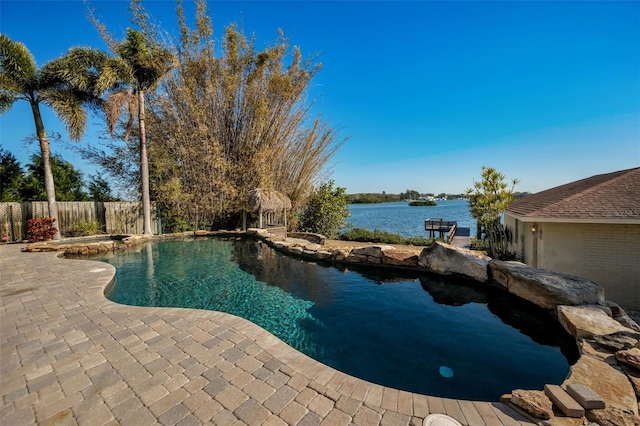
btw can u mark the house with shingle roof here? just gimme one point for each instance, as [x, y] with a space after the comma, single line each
[589, 228]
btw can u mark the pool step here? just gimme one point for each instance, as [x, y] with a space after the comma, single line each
[561, 399]
[585, 396]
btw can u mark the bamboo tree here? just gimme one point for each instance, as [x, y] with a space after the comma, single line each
[234, 122]
[20, 79]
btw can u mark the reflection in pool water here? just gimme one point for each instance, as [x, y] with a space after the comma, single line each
[420, 333]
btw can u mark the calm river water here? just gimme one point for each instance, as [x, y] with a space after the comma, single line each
[401, 218]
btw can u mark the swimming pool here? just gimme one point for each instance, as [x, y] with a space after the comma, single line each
[419, 333]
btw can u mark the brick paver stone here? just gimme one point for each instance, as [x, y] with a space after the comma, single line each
[231, 398]
[321, 405]
[252, 412]
[283, 396]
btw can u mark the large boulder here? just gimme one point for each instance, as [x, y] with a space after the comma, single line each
[400, 258]
[371, 251]
[618, 341]
[446, 259]
[612, 385]
[584, 322]
[368, 254]
[544, 288]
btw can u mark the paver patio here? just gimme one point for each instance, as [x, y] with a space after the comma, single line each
[70, 356]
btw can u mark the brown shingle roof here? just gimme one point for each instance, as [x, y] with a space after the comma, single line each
[608, 196]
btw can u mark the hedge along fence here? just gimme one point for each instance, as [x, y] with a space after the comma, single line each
[121, 217]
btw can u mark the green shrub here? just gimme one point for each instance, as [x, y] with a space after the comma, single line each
[326, 211]
[86, 228]
[378, 236]
[173, 221]
[479, 245]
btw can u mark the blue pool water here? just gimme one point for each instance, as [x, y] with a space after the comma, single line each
[419, 333]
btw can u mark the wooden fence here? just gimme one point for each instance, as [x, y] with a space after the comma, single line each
[114, 217]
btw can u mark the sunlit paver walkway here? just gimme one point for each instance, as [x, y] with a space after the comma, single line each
[70, 356]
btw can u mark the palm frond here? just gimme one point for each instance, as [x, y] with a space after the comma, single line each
[68, 106]
[86, 69]
[7, 99]
[114, 106]
[17, 65]
[148, 60]
[115, 74]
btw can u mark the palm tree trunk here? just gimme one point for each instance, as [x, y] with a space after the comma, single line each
[46, 161]
[144, 167]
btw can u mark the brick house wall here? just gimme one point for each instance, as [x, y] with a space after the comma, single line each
[607, 254]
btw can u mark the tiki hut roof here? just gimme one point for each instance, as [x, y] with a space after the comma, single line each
[268, 200]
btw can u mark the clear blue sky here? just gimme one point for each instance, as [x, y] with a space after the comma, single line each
[428, 92]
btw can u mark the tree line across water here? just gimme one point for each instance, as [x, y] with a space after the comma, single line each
[409, 194]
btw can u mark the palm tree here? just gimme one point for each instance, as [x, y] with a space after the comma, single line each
[148, 62]
[138, 66]
[20, 79]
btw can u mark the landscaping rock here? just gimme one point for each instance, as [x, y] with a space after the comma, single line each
[544, 288]
[373, 251]
[312, 247]
[533, 402]
[618, 341]
[560, 420]
[612, 417]
[446, 259]
[621, 316]
[594, 350]
[374, 260]
[340, 254]
[587, 321]
[321, 254]
[634, 377]
[356, 258]
[295, 250]
[314, 238]
[628, 322]
[400, 258]
[612, 385]
[630, 357]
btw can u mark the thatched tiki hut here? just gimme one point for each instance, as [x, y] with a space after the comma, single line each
[269, 203]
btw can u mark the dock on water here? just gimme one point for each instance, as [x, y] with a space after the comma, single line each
[455, 235]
